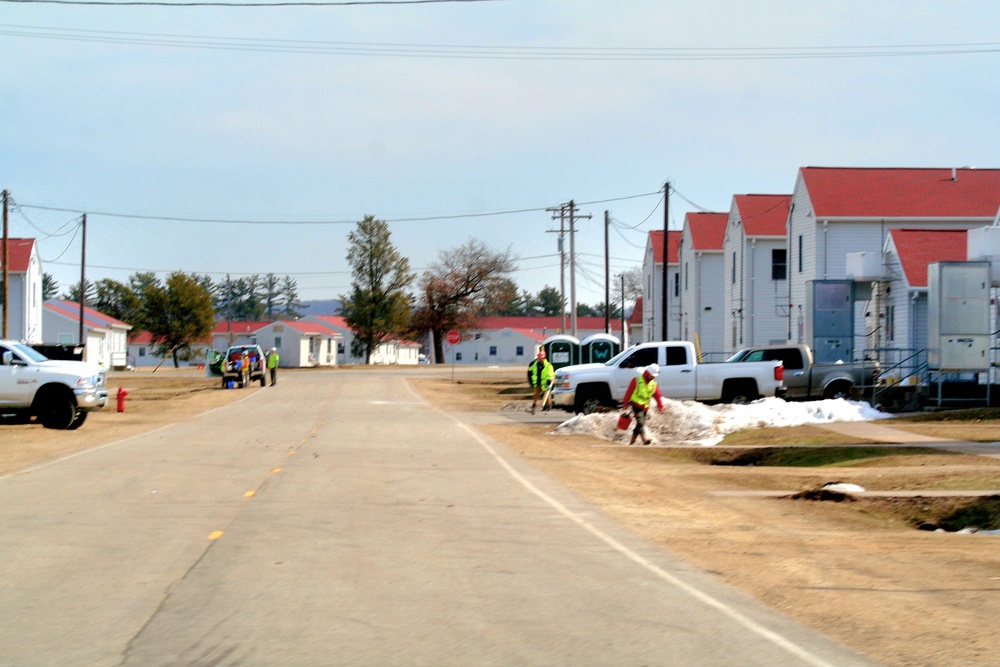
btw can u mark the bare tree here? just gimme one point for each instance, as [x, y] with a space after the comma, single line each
[455, 289]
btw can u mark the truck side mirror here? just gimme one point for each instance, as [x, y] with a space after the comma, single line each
[8, 357]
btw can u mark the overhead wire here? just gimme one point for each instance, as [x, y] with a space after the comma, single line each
[470, 51]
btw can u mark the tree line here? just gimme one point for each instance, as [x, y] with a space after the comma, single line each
[386, 300]
[464, 284]
[182, 310]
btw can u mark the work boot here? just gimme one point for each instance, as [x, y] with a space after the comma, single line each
[532, 410]
[647, 441]
[632, 441]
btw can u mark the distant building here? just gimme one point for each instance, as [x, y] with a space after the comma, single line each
[105, 338]
[24, 276]
[652, 287]
[701, 276]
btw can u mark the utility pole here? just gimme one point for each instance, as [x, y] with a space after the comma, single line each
[6, 256]
[572, 261]
[666, 257]
[607, 277]
[83, 277]
[562, 262]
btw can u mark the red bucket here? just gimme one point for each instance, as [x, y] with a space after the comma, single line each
[623, 421]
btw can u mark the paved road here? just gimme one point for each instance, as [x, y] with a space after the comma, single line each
[336, 519]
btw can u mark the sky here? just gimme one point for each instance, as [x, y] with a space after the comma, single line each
[250, 140]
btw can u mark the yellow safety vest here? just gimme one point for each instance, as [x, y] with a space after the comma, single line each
[643, 392]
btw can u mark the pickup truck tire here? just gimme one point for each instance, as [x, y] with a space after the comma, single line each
[55, 407]
[589, 398]
[81, 417]
[739, 392]
[839, 389]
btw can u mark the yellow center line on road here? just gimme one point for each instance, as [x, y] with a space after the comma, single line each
[215, 534]
[249, 494]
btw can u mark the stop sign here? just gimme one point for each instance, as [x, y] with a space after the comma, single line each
[454, 337]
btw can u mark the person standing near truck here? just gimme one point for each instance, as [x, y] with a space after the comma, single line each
[540, 376]
[272, 364]
[640, 393]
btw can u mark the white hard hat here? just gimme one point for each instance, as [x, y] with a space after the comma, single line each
[653, 369]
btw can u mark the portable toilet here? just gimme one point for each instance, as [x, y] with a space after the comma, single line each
[599, 348]
[562, 350]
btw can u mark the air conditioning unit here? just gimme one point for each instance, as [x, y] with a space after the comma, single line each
[865, 267]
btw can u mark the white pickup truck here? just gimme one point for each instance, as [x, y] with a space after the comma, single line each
[585, 387]
[58, 393]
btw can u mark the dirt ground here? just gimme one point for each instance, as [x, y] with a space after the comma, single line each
[858, 571]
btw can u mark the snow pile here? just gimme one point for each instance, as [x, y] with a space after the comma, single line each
[692, 423]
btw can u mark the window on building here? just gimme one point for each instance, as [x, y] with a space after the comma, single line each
[277, 341]
[800, 253]
[685, 276]
[458, 356]
[66, 339]
[779, 264]
[493, 350]
[732, 280]
[478, 336]
[142, 352]
[519, 351]
[340, 348]
[677, 284]
[890, 323]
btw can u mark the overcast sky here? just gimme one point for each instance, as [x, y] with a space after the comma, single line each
[309, 118]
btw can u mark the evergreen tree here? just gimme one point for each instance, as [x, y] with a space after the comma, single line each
[178, 314]
[50, 288]
[377, 307]
[290, 299]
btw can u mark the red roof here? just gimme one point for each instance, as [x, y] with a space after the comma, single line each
[636, 317]
[902, 193]
[237, 327]
[656, 239]
[547, 325]
[19, 253]
[708, 230]
[918, 247]
[763, 215]
[91, 318]
[307, 326]
[332, 320]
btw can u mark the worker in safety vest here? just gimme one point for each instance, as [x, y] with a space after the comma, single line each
[641, 391]
[272, 364]
[540, 376]
[245, 369]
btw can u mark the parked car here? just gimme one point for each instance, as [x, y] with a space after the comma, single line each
[586, 387]
[232, 372]
[808, 380]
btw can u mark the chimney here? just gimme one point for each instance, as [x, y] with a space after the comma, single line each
[954, 174]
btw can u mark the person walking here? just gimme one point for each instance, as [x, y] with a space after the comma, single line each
[641, 391]
[272, 364]
[540, 376]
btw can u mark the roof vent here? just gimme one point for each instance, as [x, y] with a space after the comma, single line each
[954, 174]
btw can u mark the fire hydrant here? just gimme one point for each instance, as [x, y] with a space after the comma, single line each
[121, 399]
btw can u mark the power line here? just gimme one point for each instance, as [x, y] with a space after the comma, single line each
[474, 51]
[233, 221]
[151, 3]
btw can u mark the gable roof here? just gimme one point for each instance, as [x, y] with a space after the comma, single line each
[636, 317]
[837, 192]
[763, 215]
[94, 319]
[307, 327]
[917, 248]
[239, 327]
[656, 240]
[19, 255]
[708, 230]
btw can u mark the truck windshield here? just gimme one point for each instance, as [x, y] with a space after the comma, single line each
[29, 352]
[739, 356]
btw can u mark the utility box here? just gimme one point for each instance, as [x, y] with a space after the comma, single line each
[831, 306]
[983, 245]
[865, 267]
[958, 316]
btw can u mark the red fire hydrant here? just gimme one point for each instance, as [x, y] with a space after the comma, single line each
[121, 399]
